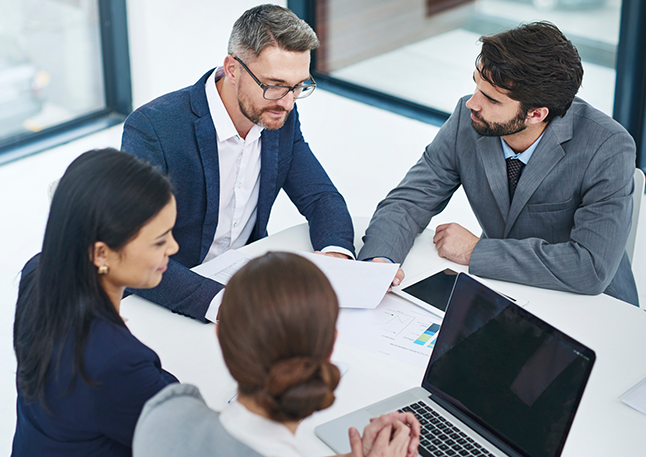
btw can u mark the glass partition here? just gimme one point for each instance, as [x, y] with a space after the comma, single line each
[423, 51]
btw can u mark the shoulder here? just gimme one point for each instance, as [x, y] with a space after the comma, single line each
[189, 101]
[586, 120]
[111, 348]
[178, 421]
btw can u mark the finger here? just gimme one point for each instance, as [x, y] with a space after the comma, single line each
[413, 423]
[400, 437]
[399, 277]
[383, 437]
[371, 430]
[415, 431]
[356, 446]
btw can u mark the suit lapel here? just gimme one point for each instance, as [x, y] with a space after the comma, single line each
[208, 151]
[268, 176]
[547, 155]
[489, 151]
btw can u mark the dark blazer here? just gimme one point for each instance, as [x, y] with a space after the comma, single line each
[98, 419]
[175, 132]
[567, 225]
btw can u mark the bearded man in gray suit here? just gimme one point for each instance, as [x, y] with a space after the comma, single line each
[564, 222]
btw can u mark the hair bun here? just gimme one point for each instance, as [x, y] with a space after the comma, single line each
[296, 387]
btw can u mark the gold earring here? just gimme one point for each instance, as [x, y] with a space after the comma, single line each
[102, 270]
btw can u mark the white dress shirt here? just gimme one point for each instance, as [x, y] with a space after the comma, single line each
[266, 437]
[239, 161]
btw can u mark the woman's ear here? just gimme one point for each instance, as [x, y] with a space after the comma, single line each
[329, 357]
[99, 254]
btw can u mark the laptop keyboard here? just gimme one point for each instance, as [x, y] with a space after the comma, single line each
[440, 437]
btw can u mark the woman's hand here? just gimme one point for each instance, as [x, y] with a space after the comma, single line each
[390, 435]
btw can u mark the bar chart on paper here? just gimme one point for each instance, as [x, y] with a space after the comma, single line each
[428, 337]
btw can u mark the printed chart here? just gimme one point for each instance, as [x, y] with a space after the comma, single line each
[395, 328]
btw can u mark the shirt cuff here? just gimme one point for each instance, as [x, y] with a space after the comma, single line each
[214, 307]
[338, 250]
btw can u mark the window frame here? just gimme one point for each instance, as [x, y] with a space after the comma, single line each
[113, 29]
[630, 88]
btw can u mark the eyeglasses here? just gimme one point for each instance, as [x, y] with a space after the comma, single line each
[278, 92]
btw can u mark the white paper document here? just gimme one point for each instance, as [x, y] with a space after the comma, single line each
[395, 328]
[357, 284]
[636, 397]
[222, 267]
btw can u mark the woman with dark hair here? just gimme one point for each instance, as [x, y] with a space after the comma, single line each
[277, 331]
[82, 377]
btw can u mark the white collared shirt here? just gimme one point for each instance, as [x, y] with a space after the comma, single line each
[239, 161]
[266, 437]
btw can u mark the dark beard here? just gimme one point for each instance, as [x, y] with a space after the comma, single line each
[510, 127]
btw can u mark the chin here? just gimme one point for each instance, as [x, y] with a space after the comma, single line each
[273, 123]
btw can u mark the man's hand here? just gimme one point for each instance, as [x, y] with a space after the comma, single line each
[393, 435]
[455, 243]
[334, 254]
[399, 277]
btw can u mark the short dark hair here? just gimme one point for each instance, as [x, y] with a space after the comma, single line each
[270, 25]
[536, 64]
[105, 195]
[276, 330]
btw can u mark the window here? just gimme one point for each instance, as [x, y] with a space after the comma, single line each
[64, 70]
[417, 56]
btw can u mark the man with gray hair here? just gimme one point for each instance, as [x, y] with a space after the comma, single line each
[230, 143]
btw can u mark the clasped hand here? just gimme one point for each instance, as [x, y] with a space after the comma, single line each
[390, 435]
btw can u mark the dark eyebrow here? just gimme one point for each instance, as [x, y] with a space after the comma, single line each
[490, 98]
[165, 233]
[282, 82]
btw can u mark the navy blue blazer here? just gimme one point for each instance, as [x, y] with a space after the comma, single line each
[91, 420]
[175, 133]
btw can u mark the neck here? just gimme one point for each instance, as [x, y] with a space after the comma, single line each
[255, 408]
[115, 294]
[520, 141]
[231, 104]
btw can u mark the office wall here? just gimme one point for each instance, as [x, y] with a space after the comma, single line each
[173, 43]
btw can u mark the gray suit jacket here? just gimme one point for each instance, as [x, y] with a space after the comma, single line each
[569, 220]
[177, 422]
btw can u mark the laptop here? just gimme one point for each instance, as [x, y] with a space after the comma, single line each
[500, 382]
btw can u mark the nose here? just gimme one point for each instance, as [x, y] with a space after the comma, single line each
[287, 102]
[472, 103]
[173, 247]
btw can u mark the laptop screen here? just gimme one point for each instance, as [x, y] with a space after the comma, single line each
[508, 371]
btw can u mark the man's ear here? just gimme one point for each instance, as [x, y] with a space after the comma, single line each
[230, 67]
[537, 115]
[99, 254]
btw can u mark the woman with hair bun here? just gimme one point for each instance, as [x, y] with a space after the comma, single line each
[82, 377]
[277, 331]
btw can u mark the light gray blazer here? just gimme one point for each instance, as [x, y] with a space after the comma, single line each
[569, 220]
[177, 422]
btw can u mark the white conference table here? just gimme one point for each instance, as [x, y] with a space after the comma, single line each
[603, 425]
